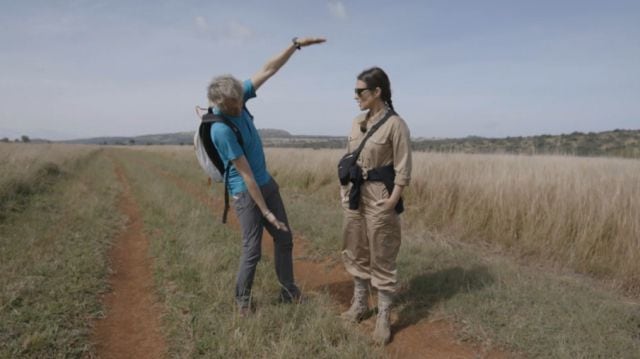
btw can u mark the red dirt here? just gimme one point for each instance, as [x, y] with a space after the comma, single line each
[425, 339]
[131, 327]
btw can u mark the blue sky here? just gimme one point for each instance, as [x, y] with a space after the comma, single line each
[80, 68]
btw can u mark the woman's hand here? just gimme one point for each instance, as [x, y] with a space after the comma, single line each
[392, 201]
[387, 203]
[271, 218]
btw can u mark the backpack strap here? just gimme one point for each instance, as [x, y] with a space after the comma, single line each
[246, 109]
[205, 135]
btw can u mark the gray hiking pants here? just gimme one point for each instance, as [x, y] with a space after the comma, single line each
[252, 224]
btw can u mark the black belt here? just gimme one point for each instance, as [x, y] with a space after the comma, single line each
[385, 174]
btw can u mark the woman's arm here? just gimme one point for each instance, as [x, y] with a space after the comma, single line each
[393, 199]
[274, 64]
[401, 145]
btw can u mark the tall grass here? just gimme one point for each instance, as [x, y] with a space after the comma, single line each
[581, 213]
[490, 297]
[26, 169]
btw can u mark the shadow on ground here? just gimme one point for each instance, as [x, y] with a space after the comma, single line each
[341, 291]
[425, 290]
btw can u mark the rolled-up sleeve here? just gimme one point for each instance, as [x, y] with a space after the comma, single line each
[248, 91]
[401, 139]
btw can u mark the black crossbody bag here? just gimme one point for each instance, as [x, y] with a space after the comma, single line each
[347, 164]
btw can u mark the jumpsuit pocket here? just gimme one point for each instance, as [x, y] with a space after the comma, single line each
[380, 144]
[381, 193]
[377, 149]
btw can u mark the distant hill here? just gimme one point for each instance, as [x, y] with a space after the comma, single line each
[619, 143]
[24, 139]
[177, 138]
[273, 133]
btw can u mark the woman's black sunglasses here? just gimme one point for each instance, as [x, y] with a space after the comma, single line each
[359, 91]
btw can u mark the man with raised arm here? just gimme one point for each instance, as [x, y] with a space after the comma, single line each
[257, 200]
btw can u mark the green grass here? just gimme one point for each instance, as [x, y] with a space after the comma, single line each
[494, 299]
[53, 261]
[535, 311]
[196, 259]
[17, 193]
[52, 256]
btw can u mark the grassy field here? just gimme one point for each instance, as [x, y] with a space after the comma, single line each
[537, 310]
[56, 224]
[453, 260]
[31, 169]
[196, 262]
[471, 253]
[576, 213]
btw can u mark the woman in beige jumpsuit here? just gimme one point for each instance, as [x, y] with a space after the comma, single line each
[371, 228]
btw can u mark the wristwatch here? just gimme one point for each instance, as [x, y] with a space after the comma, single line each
[296, 43]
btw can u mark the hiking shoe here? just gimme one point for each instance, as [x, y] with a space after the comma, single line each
[356, 312]
[382, 332]
[359, 302]
[296, 298]
[246, 310]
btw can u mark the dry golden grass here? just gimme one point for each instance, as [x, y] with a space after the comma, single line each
[21, 162]
[26, 169]
[576, 212]
[580, 213]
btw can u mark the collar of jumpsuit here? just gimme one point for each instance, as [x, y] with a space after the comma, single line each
[366, 122]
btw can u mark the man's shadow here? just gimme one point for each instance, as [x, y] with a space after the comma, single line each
[425, 290]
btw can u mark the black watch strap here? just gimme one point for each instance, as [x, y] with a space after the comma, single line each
[296, 43]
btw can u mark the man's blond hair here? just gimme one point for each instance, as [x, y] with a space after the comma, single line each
[223, 87]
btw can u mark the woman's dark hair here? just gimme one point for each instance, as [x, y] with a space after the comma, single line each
[376, 77]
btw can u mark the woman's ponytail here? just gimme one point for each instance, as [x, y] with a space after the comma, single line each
[390, 103]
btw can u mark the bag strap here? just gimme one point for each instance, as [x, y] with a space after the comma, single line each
[226, 194]
[212, 118]
[373, 129]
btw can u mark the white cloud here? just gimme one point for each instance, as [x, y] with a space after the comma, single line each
[237, 31]
[201, 24]
[337, 9]
[229, 32]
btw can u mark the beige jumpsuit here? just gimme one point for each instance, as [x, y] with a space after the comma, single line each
[372, 235]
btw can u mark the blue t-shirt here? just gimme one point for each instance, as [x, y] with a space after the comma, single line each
[229, 149]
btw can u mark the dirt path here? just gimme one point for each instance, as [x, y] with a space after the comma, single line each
[131, 326]
[425, 339]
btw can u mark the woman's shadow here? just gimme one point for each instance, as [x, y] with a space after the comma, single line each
[425, 290]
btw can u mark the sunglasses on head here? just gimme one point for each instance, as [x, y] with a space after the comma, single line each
[359, 91]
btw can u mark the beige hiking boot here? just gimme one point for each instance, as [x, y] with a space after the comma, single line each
[359, 302]
[382, 333]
